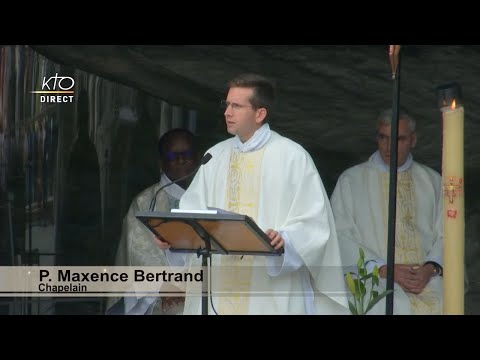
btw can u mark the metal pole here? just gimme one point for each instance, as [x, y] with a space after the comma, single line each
[29, 202]
[10, 228]
[205, 289]
[392, 196]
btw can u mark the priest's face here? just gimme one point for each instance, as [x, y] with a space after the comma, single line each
[241, 117]
[179, 160]
[406, 141]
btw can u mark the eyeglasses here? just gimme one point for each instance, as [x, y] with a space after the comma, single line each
[225, 104]
[385, 138]
[175, 155]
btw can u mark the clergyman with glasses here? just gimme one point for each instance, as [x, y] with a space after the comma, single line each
[178, 158]
[360, 206]
[272, 179]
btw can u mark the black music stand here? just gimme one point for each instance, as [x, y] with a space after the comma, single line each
[207, 233]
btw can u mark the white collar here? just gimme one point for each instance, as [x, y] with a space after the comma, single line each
[256, 142]
[378, 161]
[173, 190]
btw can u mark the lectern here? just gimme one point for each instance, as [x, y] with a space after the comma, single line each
[207, 232]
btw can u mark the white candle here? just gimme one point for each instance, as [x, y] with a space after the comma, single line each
[453, 210]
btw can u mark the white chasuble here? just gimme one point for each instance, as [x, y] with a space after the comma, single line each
[278, 185]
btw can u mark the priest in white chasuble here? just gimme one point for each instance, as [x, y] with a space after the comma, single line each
[273, 180]
[178, 158]
[360, 205]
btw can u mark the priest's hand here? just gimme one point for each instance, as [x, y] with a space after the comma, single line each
[277, 240]
[422, 275]
[171, 302]
[161, 244]
[411, 278]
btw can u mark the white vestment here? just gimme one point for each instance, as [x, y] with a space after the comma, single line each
[137, 247]
[360, 205]
[288, 197]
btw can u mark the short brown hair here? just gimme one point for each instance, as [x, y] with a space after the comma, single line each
[263, 90]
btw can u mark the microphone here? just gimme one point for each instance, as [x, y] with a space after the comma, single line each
[205, 159]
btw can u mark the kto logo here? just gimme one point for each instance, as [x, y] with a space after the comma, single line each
[59, 85]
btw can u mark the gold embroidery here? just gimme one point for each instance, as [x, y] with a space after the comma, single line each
[242, 195]
[408, 248]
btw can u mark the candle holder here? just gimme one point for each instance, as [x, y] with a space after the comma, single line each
[448, 93]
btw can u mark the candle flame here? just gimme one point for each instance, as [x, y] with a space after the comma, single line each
[454, 104]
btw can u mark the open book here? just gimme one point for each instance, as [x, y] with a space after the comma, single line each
[210, 210]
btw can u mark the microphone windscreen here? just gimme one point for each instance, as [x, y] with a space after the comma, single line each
[206, 158]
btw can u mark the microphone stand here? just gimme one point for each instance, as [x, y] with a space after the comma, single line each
[205, 253]
[206, 158]
[154, 198]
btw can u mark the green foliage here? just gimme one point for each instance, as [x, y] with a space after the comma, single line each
[357, 285]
